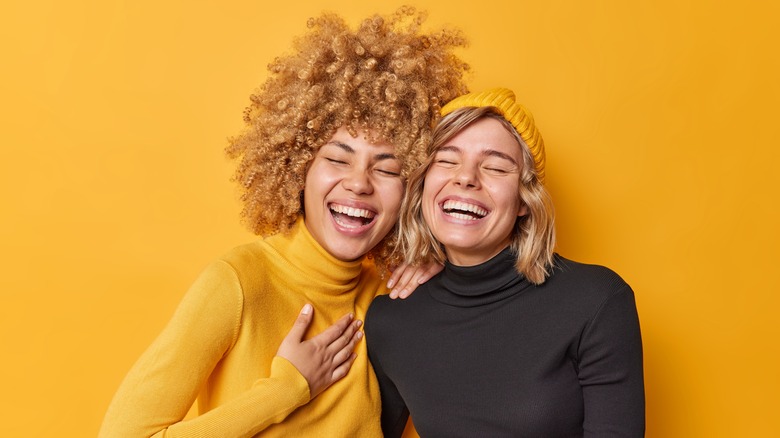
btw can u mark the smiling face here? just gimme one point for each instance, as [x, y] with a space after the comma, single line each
[352, 195]
[471, 198]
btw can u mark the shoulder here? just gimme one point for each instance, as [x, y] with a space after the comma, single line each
[587, 276]
[227, 271]
[383, 304]
[385, 313]
[244, 255]
[371, 278]
[249, 262]
[582, 285]
[380, 307]
[228, 278]
[213, 302]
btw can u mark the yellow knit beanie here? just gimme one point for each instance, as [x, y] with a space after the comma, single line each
[503, 99]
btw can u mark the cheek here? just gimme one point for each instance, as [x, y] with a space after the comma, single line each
[391, 193]
[312, 185]
[512, 200]
[428, 203]
[313, 175]
[317, 184]
[433, 183]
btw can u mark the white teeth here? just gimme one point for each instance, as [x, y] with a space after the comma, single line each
[345, 224]
[353, 212]
[462, 216]
[463, 206]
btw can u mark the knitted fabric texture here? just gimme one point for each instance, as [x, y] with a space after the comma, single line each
[504, 101]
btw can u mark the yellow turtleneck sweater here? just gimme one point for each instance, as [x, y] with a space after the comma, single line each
[221, 343]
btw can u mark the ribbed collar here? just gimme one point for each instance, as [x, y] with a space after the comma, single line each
[305, 256]
[471, 286]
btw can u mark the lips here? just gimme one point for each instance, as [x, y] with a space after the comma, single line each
[351, 217]
[463, 210]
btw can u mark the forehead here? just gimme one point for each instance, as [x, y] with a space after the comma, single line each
[343, 140]
[484, 135]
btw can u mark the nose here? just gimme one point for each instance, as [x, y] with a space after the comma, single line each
[466, 177]
[358, 182]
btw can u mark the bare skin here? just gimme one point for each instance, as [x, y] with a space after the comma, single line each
[325, 358]
[405, 278]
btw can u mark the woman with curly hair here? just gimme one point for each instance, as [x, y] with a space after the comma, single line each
[329, 140]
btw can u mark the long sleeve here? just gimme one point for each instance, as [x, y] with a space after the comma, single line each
[163, 384]
[394, 411]
[610, 370]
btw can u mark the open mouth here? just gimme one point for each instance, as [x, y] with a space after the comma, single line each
[350, 217]
[463, 210]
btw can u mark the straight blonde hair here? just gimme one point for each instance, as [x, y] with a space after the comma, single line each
[533, 237]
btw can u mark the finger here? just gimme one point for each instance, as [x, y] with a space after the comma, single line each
[421, 275]
[432, 269]
[343, 341]
[418, 279]
[333, 332]
[353, 340]
[404, 282]
[343, 369]
[348, 349]
[397, 272]
[301, 323]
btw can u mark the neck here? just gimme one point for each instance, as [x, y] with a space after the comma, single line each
[478, 285]
[471, 258]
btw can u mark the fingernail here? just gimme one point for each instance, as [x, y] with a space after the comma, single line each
[306, 309]
[390, 283]
[359, 335]
[359, 323]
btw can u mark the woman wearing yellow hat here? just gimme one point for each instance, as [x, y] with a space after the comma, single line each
[510, 339]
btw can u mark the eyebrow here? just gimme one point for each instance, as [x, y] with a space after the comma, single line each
[489, 153]
[350, 150]
[492, 153]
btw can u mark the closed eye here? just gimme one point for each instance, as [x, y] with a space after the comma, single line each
[388, 172]
[335, 161]
[444, 162]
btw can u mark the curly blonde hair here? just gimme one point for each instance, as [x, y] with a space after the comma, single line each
[533, 237]
[386, 79]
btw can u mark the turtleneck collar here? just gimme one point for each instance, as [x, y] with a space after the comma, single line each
[488, 282]
[299, 248]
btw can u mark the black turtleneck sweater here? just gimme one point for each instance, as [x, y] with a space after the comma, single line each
[480, 351]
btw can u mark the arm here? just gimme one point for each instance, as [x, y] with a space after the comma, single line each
[610, 370]
[161, 387]
[164, 382]
[395, 414]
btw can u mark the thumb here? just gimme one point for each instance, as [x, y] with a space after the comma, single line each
[301, 323]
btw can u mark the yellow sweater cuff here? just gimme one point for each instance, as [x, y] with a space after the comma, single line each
[284, 370]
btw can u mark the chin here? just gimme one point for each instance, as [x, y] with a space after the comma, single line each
[348, 255]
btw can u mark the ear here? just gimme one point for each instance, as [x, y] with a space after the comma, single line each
[523, 211]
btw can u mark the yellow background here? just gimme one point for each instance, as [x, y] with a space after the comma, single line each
[660, 123]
